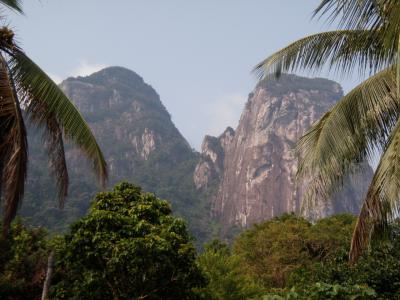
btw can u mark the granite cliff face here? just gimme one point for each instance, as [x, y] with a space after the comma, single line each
[257, 160]
[140, 144]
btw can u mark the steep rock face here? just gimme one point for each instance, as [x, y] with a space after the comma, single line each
[258, 178]
[211, 165]
[140, 144]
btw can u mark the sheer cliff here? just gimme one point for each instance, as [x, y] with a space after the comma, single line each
[254, 166]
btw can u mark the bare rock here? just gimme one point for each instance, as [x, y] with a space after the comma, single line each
[257, 181]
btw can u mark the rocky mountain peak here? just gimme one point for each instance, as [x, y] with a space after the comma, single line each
[257, 180]
[114, 91]
[211, 165]
[112, 75]
[139, 141]
[289, 83]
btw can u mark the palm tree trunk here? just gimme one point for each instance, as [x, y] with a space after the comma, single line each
[49, 274]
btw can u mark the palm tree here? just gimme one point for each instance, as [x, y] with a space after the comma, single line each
[26, 90]
[366, 119]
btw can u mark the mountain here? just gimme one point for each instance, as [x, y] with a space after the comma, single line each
[241, 177]
[252, 169]
[140, 144]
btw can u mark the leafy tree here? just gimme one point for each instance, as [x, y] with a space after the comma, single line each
[26, 89]
[23, 263]
[284, 251]
[366, 118]
[378, 268]
[128, 247]
[226, 281]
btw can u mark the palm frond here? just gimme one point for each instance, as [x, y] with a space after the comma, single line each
[342, 51]
[364, 14]
[348, 134]
[38, 86]
[13, 147]
[13, 4]
[53, 140]
[376, 16]
[382, 204]
[370, 217]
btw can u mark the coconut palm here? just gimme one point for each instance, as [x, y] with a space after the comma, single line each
[27, 93]
[366, 119]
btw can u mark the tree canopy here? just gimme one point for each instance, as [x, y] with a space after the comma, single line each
[128, 247]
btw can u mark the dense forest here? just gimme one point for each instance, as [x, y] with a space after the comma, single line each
[129, 246]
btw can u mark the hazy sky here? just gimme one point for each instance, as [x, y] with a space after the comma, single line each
[196, 54]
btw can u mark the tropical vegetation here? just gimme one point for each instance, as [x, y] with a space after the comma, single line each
[364, 121]
[23, 261]
[224, 274]
[129, 246]
[28, 94]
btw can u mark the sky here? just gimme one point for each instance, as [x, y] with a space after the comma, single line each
[197, 55]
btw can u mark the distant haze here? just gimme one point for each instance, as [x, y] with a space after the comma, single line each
[197, 54]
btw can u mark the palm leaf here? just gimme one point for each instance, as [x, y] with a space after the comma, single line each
[13, 4]
[38, 86]
[381, 17]
[361, 14]
[341, 50]
[382, 204]
[53, 140]
[13, 147]
[348, 134]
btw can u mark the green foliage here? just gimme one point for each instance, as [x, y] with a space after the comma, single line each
[378, 268]
[128, 247]
[323, 291]
[278, 250]
[225, 278]
[23, 260]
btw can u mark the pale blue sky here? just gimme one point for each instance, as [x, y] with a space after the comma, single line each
[197, 54]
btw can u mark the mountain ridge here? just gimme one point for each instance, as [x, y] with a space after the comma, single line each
[140, 144]
[225, 186]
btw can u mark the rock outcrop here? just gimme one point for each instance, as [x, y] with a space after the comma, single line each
[129, 120]
[257, 180]
[211, 165]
